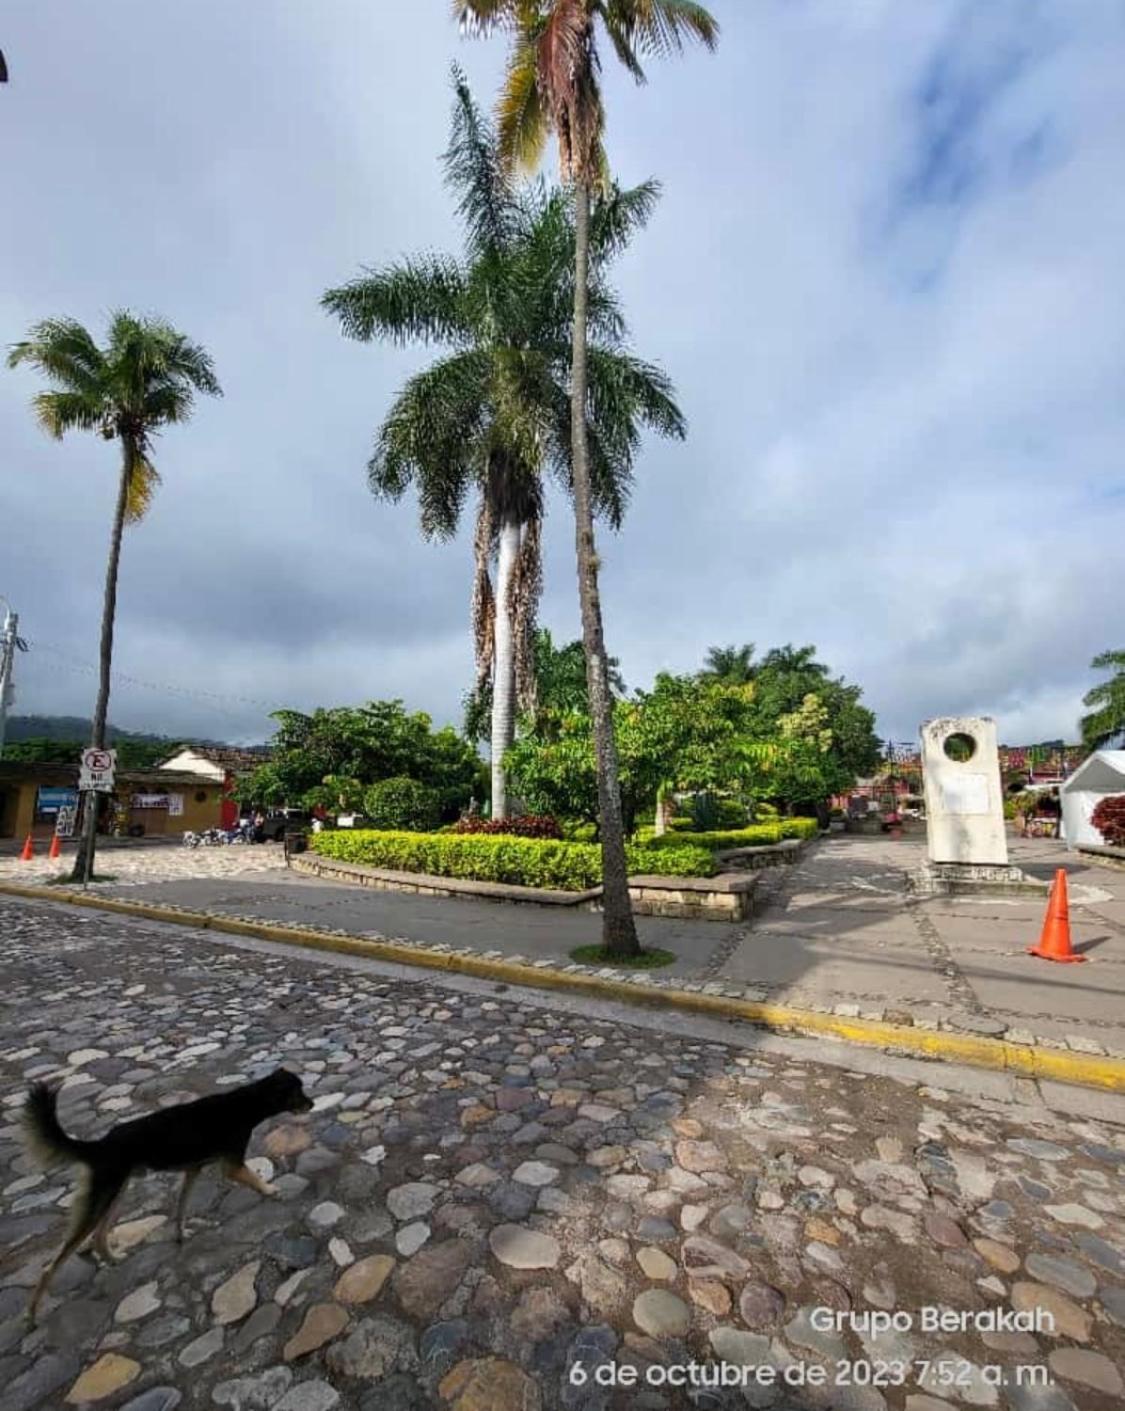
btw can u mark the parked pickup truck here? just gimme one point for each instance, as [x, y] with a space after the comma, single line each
[284, 820]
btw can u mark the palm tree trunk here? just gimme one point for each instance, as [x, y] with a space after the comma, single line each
[619, 933]
[504, 674]
[84, 861]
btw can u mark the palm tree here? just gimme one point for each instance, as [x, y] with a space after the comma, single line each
[146, 377]
[552, 85]
[493, 414]
[1106, 701]
[730, 666]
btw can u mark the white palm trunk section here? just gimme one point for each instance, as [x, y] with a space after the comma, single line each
[504, 675]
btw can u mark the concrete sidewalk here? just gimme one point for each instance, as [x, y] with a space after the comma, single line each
[835, 932]
[840, 929]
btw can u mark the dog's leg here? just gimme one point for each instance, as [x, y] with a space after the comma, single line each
[190, 1176]
[100, 1241]
[241, 1174]
[93, 1201]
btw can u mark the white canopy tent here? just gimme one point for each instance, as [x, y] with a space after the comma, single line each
[1101, 775]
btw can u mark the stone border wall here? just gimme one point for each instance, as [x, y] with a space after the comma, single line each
[727, 897]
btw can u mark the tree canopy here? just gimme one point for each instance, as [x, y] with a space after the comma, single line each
[331, 756]
[1106, 702]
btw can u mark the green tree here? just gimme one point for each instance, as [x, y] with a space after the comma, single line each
[560, 684]
[1106, 702]
[331, 756]
[552, 84]
[145, 378]
[491, 417]
[684, 733]
[732, 665]
[783, 679]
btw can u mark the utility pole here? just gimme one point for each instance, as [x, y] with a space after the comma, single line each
[10, 643]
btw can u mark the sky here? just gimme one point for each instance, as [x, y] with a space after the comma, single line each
[885, 276]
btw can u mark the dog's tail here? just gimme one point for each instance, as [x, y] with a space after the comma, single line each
[45, 1138]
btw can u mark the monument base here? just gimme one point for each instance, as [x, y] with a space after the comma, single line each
[974, 879]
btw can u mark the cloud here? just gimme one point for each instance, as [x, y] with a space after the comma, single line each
[885, 277]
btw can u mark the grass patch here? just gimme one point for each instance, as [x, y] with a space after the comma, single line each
[652, 959]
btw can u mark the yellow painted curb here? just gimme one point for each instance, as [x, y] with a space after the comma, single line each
[1026, 1060]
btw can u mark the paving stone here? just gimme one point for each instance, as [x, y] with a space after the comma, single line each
[108, 1375]
[1092, 1369]
[1062, 1273]
[411, 1238]
[661, 1314]
[202, 1348]
[155, 1399]
[1068, 1319]
[535, 1173]
[364, 1280]
[375, 1347]
[309, 1396]
[425, 1281]
[489, 1384]
[139, 1304]
[236, 1297]
[259, 1393]
[521, 1248]
[321, 1323]
[539, 1314]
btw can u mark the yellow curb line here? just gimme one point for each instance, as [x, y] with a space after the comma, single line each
[1027, 1060]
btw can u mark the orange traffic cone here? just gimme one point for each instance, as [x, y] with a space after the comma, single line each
[28, 850]
[1054, 943]
[55, 848]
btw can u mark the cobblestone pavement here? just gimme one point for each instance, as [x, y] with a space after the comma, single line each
[133, 864]
[497, 1206]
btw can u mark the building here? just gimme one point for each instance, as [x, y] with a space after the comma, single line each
[221, 764]
[145, 803]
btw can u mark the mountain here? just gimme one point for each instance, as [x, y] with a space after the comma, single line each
[74, 727]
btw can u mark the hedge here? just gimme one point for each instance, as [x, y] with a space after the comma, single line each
[756, 836]
[520, 862]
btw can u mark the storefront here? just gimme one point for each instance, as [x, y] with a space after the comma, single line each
[36, 799]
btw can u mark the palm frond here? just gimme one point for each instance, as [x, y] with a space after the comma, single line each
[142, 483]
[421, 299]
[522, 119]
[618, 215]
[63, 350]
[663, 27]
[474, 169]
[432, 437]
[60, 412]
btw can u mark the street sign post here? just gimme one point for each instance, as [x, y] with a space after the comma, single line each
[96, 771]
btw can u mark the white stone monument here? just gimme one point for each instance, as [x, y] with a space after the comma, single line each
[967, 845]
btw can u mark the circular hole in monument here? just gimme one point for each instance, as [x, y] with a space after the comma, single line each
[960, 747]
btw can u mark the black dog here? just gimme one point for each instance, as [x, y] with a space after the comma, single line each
[184, 1138]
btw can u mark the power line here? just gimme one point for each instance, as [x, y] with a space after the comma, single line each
[124, 678]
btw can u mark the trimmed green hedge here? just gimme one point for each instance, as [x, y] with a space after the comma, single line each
[756, 836]
[520, 862]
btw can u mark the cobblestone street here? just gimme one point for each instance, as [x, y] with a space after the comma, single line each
[496, 1206]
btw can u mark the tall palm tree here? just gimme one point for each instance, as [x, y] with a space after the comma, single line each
[732, 666]
[1106, 719]
[491, 416]
[146, 377]
[552, 84]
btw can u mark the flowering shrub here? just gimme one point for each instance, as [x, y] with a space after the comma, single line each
[1109, 819]
[528, 825]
